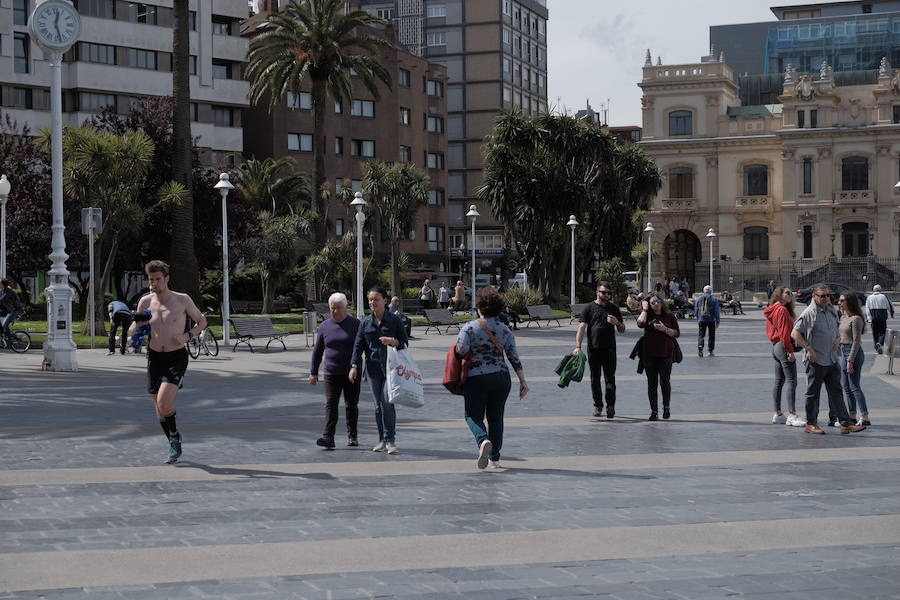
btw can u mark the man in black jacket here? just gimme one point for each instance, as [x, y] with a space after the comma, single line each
[12, 306]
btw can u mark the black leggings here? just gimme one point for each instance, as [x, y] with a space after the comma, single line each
[659, 373]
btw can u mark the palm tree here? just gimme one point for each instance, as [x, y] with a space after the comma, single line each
[396, 194]
[272, 184]
[185, 271]
[321, 41]
[276, 249]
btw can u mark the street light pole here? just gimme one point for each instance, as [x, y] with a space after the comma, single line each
[359, 204]
[4, 192]
[573, 223]
[224, 186]
[649, 230]
[473, 214]
[711, 234]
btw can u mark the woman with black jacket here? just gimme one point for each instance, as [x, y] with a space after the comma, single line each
[660, 330]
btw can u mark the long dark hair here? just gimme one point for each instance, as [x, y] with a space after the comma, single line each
[775, 298]
[665, 307]
[851, 305]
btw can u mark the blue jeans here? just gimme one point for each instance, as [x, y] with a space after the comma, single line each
[486, 396]
[385, 414]
[850, 383]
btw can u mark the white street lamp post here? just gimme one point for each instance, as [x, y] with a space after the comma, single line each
[473, 214]
[711, 234]
[359, 204]
[224, 186]
[649, 229]
[573, 223]
[4, 192]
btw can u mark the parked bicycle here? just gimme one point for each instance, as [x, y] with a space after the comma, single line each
[204, 342]
[18, 342]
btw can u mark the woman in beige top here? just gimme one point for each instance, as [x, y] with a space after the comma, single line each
[850, 331]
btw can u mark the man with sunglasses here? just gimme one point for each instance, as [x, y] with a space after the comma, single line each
[816, 331]
[601, 319]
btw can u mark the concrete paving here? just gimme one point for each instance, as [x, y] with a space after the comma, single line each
[716, 502]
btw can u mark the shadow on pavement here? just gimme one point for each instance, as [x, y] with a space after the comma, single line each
[251, 473]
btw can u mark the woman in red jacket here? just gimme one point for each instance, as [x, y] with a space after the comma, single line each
[779, 323]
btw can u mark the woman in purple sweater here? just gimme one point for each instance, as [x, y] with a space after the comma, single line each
[335, 340]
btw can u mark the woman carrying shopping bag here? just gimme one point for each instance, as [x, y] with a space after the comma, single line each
[485, 341]
[376, 333]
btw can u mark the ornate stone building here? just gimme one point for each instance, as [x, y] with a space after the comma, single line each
[793, 183]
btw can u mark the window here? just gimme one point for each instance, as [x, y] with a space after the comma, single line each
[435, 124]
[363, 148]
[807, 241]
[338, 107]
[507, 65]
[339, 227]
[104, 9]
[896, 113]
[21, 46]
[303, 100]
[507, 7]
[756, 180]
[356, 185]
[681, 122]
[195, 112]
[141, 13]
[221, 25]
[405, 115]
[221, 69]
[436, 197]
[192, 20]
[807, 175]
[435, 238]
[437, 11]
[542, 27]
[96, 102]
[681, 182]
[302, 142]
[541, 82]
[20, 12]
[801, 119]
[434, 88]
[756, 243]
[98, 53]
[339, 146]
[507, 94]
[192, 64]
[434, 160]
[507, 36]
[436, 38]
[855, 173]
[405, 154]
[21, 97]
[223, 115]
[813, 118]
[405, 78]
[142, 59]
[384, 13]
[363, 108]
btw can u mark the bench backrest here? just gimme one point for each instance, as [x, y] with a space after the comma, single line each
[254, 326]
[541, 311]
[439, 316]
[321, 308]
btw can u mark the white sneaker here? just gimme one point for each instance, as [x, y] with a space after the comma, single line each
[796, 421]
[495, 464]
[484, 453]
[379, 448]
[391, 448]
[778, 419]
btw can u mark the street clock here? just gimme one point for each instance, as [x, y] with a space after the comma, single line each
[55, 25]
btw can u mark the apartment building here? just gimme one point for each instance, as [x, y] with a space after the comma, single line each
[495, 52]
[125, 51]
[406, 123]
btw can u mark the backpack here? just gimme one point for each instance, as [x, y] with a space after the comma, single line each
[705, 310]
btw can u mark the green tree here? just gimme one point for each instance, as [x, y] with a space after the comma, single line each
[276, 249]
[333, 265]
[321, 41]
[106, 171]
[271, 184]
[396, 194]
[185, 270]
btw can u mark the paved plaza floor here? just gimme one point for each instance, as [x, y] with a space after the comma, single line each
[715, 503]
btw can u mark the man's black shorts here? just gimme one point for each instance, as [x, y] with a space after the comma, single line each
[166, 367]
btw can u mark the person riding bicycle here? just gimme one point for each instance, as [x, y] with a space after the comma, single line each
[9, 301]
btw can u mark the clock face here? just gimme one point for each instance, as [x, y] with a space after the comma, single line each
[56, 24]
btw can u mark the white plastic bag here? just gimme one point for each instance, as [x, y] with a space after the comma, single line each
[404, 380]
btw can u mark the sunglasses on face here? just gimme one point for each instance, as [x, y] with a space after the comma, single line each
[842, 300]
[821, 295]
[788, 292]
[656, 302]
[604, 292]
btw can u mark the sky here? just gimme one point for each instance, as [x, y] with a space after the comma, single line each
[596, 48]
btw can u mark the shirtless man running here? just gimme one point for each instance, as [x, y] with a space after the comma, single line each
[167, 356]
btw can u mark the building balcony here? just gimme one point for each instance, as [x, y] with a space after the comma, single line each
[679, 204]
[754, 203]
[854, 197]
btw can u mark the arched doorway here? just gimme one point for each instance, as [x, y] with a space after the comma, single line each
[855, 236]
[681, 252]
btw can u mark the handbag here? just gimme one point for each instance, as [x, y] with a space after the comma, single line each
[456, 371]
[677, 354]
[406, 386]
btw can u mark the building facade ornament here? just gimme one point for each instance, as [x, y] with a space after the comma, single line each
[825, 71]
[712, 162]
[823, 152]
[884, 150]
[648, 60]
[808, 218]
[787, 153]
[646, 102]
[854, 108]
[712, 100]
[804, 90]
[789, 74]
[884, 69]
[895, 83]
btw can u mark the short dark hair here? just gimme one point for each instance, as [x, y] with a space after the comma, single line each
[603, 283]
[379, 290]
[490, 302]
[157, 266]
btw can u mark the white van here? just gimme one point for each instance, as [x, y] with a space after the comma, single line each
[631, 280]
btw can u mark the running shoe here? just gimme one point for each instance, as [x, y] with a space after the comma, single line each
[484, 453]
[174, 448]
[779, 419]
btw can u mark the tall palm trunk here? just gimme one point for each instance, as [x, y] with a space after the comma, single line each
[395, 271]
[185, 272]
[320, 229]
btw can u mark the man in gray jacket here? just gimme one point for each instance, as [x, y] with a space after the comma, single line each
[816, 331]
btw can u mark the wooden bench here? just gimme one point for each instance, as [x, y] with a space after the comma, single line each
[541, 312]
[251, 328]
[412, 306]
[577, 309]
[439, 317]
